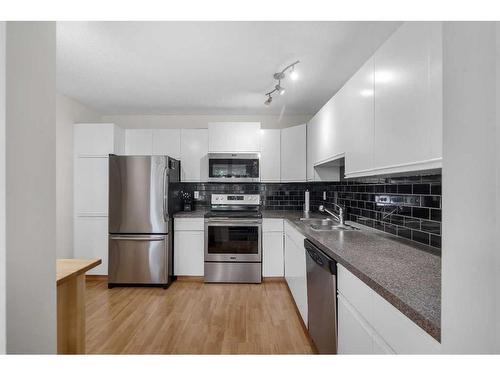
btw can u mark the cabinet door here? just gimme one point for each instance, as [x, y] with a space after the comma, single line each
[353, 336]
[94, 139]
[91, 241]
[139, 142]
[379, 346]
[91, 185]
[295, 275]
[234, 137]
[194, 149]
[328, 131]
[293, 154]
[167, 142]
[272, 254]
[311, 130]
[189, 253]
[270, 155]
[406, 91]
[360, 125]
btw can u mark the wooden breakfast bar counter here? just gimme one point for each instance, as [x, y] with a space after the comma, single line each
[71, 304]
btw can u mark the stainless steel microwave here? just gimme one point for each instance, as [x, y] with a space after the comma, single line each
[233, 167]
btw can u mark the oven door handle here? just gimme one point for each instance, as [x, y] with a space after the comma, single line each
[229, 221]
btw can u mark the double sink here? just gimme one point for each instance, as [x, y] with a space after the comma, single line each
[326, 224]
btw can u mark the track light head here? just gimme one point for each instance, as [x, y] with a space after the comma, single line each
[293, 74]
[280, 89]
[269, 100]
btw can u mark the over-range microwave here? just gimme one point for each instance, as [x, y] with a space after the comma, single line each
[233, 167]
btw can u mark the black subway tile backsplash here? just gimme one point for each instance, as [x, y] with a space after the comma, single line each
[414, 211]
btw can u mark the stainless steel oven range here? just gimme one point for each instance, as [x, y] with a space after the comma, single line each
[233, 239]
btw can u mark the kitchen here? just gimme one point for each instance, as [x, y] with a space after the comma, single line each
[291, 208]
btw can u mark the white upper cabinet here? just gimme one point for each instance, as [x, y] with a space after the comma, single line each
[293, 154]
[139, 142]
[311, 130]
[234, 137]
[98, 139]
[167, 142]
[360, 125]
[270, 155]
[408, 97]
[194, 148]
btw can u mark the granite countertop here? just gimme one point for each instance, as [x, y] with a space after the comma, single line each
[191, 214]
[405, 273]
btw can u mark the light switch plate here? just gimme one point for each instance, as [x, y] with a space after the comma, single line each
[324, 195]
[196, 195]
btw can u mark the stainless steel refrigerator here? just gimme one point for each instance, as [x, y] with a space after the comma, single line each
[143, 196]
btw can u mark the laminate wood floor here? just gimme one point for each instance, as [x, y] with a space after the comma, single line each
[191, 317]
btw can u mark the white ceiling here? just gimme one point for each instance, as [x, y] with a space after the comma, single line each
[209, 67]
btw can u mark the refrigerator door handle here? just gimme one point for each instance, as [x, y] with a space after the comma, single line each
[137, 238]
[165, 171]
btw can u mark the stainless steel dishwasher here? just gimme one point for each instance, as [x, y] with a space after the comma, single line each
[321, 299]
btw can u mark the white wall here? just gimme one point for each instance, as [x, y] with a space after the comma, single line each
[497, 272]
[469, 287]
[2, 187]
[200, 121]
[31, 187]
[68, 112]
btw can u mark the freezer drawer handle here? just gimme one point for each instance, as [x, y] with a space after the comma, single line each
[123, 238]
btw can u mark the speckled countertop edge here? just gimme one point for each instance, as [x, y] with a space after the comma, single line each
[432, 327]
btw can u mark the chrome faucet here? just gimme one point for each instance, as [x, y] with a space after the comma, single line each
[339, 217]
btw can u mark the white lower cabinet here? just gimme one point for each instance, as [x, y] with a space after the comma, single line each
[362, 312]
[353, 336]
[273, 262]
[91, 241]
[295, 269]
[188, 254]
[189, 237]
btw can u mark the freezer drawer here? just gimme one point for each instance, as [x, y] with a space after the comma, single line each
[138, 259]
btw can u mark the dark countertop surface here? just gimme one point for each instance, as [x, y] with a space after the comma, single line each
[405, 273]
[191, 214]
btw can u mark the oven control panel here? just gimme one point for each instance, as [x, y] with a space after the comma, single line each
[236, 199]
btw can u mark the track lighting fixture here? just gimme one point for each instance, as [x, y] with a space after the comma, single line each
[279, 77]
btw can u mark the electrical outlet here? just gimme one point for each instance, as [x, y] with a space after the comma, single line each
[324, 195]
[196, 195]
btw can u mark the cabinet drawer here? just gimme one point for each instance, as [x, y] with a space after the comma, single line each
[191, 223]
[272, 225]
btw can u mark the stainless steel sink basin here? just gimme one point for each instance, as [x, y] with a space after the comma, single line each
[331, 226]
[318, 221]
[326, 224]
